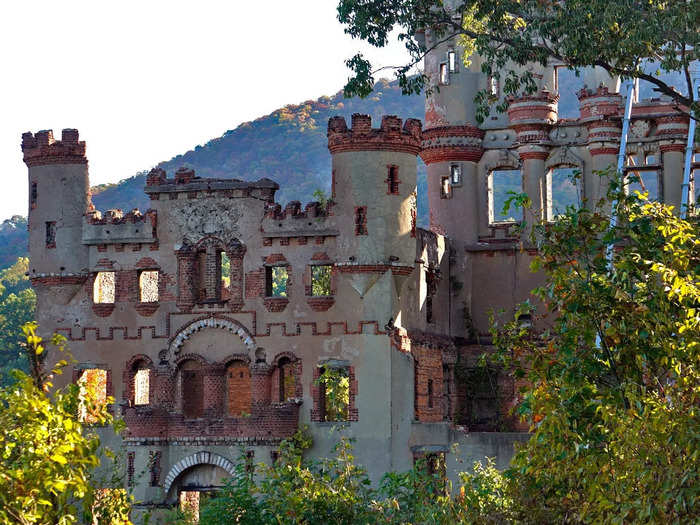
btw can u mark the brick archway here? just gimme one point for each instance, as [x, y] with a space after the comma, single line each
[200, 458]
[221, 323]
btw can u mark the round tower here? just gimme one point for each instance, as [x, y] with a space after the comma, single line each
[374, 188]
[58, 198]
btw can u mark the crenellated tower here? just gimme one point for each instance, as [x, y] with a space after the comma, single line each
[58, 198]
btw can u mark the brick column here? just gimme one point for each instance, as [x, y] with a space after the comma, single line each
[603, 156]
[534, 183]
[236, 254]
[213, 282]
[163, 388]
[260, 375]
[186, 270]
[214, 387]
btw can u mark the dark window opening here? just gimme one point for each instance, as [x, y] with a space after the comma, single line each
[154, 460]
[249, 461]
[361, 220]
[192, 390]
[393, 180]
[430, 393]
[34, 193]
[429, 309]
[276, 279]
[50, 234]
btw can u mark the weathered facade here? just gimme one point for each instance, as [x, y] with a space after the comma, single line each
[212, 316]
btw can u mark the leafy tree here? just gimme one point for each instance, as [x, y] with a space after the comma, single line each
[620, 37]
[17, 307]
[615, 378]
[47, 456]
[336, 388]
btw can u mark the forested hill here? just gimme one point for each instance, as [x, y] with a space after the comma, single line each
[288, 146]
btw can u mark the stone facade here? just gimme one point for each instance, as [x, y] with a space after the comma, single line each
[229, 358]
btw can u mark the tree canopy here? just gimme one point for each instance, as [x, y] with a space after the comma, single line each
[621, 37]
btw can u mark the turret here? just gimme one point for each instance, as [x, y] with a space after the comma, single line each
[58, 198]
[374, 182]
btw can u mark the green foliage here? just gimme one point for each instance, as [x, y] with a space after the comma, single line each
[280, 276]
[336, 387]
[615, 380]
[628, 39]
[321, 280]
[47, 455]
[17, 307]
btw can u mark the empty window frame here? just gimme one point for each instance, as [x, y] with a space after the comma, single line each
[334, 391]
[563, 190]
[642, 179]
[361, 220]
[567, 84]
[444, 73]
[225, 275]
[276, 279]
[321, 279]
[142, 386]
[456, 174]
[191, 388]
[452, 61]
[154, 464]
[287, 379]
[393, 180]
[501, 184]
[148, 286]
[92, 385]
[51, 234]
[445, 188]
[103, 289]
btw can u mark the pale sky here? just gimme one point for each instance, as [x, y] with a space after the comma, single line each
[145, 80]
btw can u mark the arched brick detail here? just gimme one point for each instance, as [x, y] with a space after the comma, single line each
[223, 323]
[199, 458]
[189, 357]
[236, 357]
[295, 365]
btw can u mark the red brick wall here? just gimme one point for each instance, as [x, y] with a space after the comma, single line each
[428, 368]
[238, 389]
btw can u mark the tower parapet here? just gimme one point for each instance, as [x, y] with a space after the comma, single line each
[42, 149]
[531, 116]
[391, 136]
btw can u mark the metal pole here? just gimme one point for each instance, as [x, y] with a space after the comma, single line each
[685, 189]
[629, 88]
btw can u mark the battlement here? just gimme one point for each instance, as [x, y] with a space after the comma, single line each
[293, 210]
[117, 216]
[42, 148]
[537, 108]
[115, 227]
[185, 180]
[391, 135]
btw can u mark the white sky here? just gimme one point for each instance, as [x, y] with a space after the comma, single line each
[145, 80]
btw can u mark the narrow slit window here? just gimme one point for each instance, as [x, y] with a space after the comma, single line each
[92, 394]
[225, 275]
[502, 184]
[452, 61]
[148, 286]
[563, 190]
[34, 194]
[456, 174]
[321, 280]
[429, 309]
[393, 180]
[493, 86]
[444, 74]
[361, 220]
[430, 393]
[142, 383]
[276, 278]
[103, 289]
[50, 234]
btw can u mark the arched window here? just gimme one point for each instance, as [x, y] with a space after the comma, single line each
[287, 379]
[142, 384]
[238, 389]
[500, 183]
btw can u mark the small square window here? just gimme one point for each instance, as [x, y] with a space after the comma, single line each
[276, 278]
[103, 289]
[321, 280]
[148, 286]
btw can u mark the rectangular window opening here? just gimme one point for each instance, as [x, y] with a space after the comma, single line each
[276, 278]
[50, 234]
[148, 286]
[445, 188]
[142, 380]
[334, 383]
[225, 274]
[644, 181]
[493, 86]
[563, 190]
[393, 180]
[33, 195]
[361, 220]
[154, 462]
[444, 74]
[456, 174]
[502, 183]
[103, 289]
[92, 394]
[321, 279]
[452, 61]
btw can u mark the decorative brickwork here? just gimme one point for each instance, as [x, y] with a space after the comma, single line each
[42, 149]
[391, 136]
